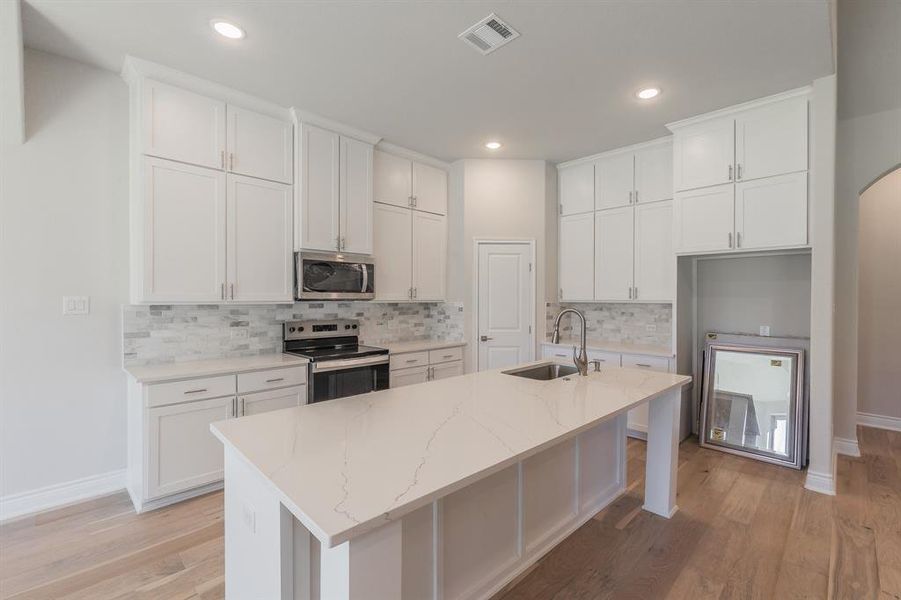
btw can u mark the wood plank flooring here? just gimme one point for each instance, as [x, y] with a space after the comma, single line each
[744, 530]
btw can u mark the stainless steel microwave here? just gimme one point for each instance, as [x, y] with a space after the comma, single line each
[333, 276]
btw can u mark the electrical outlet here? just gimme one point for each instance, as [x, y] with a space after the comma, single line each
[76, 305]
[239, 333]
[765, 330]
[650, 328]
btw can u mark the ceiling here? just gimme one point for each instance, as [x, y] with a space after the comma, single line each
[564, 89]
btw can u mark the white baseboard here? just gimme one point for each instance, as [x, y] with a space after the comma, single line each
[823, 483]
[60, 494]
[879, 421]
[846, 446]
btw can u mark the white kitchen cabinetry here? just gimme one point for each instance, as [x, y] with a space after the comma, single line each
[172, 455]
[259, 145]
[654, 173]
[259, 257]
[393, 231]
[180, 125]
[408, 368]
[429, 188]
[613, 260]
[443, 371]
[410, 376]
[655, 263]
[576, 188]
[771, 212]
[576, 244]
[615, 181]
[703, 220]
[356, 196]
[638, 416]
[771, 140]
[703, 155]
[429, 256]
[181, 234]
[401, 181]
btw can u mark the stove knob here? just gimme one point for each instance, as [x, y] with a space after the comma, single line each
[354, 326]
[300, 329]
[347, 327]
[291, 329]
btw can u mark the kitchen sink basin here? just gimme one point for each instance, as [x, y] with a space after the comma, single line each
[543, 372]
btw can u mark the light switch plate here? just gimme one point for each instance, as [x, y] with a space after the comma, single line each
[76, 305]
[765, 330]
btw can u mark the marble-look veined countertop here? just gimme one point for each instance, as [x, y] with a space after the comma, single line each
[418, 345]
[617, 347]
[346, 466]
[215, 366]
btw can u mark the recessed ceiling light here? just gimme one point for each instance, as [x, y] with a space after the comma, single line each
[493, 145]
[648, 93]
[226, 29]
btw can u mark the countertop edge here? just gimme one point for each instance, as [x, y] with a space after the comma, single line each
[619, 347]
[209, 371]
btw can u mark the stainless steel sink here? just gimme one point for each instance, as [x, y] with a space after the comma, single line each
[543, 372]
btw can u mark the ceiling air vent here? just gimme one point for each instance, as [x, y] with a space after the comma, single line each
[489, 34]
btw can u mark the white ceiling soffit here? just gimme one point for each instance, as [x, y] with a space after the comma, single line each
[564, 89]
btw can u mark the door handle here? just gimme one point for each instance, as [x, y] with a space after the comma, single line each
[485, 338]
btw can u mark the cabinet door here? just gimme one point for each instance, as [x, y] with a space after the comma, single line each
[403, 377]
[771, 140]
[392, 179]
[637, 421]
[703, 219]
[356, 196]
[184, 233]
[615, 181]
[260, 402]
[576, 185]
[771, 212]
[655, 262]
[260, 258]
[555, 351]
[392, 249]
[654, 173]
[429, 256]
[445, 370]
[183, 126]
[182, 453]
[576, 258]
[319, 196]
[260, 145]
[703, 154]
[429, 189]
[613, 258]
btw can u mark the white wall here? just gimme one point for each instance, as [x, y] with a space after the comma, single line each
[879, 300]
[64, 203]
[499, 199]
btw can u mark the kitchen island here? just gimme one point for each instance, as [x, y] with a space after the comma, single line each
[441, 490]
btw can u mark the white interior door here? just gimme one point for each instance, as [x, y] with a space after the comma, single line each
[506, 300]
[614, 181]
[576, 258]
[319, 199]
[260, 145]
[392, 248]
[260, 257]
[655, 263]
[429, 188]
[613, 243]
[356, 196]
[429, 256]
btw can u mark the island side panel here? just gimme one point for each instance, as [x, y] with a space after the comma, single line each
[662, 454]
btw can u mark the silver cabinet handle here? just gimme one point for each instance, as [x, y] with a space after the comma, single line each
[412, 360]
[635, 294]
[275, 380]
[197, 391]
[485, 338]
[231, 161]
[242, 407]
[597, 364]
[222, 159]
[430, 373]
[343, 244]
[730, 172]
[414, 201]
[222, 291]
[643, 365]
[630, 197]
[636, 196]
[738, 240]
[414, 292]
[630, 293]
[730, 239]
[234, 406]
[738, 172]
[231, 287]
[448, 356]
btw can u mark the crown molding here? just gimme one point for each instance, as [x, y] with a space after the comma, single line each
[737, 108]
[412, 155]
[668, 139]
[303, 116]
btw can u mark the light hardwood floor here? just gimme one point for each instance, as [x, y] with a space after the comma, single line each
[744, 530]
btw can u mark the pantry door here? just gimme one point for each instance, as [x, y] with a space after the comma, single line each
[506, 304]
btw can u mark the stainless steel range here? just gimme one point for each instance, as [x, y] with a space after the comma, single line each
[339, 365]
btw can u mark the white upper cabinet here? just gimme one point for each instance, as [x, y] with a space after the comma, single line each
[356, 196]
[703, 220]
[576, 260]
[613, 247]
[429, 188]
[429, 256]
[393, 180]
[614, 181]
[259, 244]
[319, 189]
[771, 140]
[576, 188]
[183, 126]
[771, 212]
[260, 145]
[703, 154]
[654, 173]
[655, 263]
[182, 254]
[392, 250]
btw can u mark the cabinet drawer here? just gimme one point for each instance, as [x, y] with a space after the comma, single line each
[556, 351]
[260, 402]
[271, 379]
[445, 355]
[160, 394]
[402, 377]
[611, 359]
[410, 359]
[653, 363]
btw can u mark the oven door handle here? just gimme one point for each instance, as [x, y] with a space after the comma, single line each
[350, 363]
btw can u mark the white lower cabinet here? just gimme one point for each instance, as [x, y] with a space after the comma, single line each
[402, 377]
[182, 453]
[408, 368]
[445, 370]
[260, 402]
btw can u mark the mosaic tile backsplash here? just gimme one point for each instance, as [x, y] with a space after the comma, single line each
[626, 323]
[158, 334]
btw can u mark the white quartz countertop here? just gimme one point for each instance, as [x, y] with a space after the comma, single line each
[618, 347]
[419, 345]
[346, 466]
[217, 366]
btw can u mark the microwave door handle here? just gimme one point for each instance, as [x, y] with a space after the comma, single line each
[365, 277]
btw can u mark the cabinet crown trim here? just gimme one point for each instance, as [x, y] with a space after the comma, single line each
[739, 108]
[661, 141]
[412, 155]
[302, 116]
